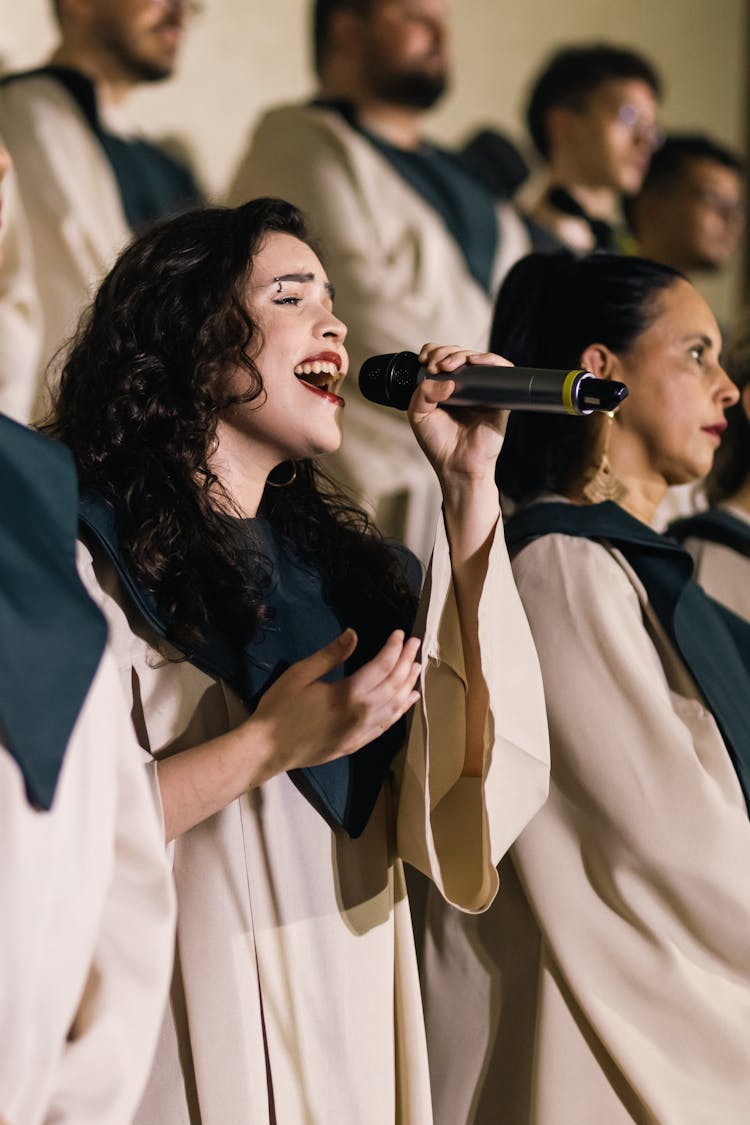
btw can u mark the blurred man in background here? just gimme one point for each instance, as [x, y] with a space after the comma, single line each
[592, 116]
[86, 178]
[414, 243]
[690, 211]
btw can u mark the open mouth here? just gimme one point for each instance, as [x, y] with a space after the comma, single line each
[323, 377]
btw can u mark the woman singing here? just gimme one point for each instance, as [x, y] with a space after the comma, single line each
[264, 635]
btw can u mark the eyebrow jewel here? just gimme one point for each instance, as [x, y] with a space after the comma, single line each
[278, 283]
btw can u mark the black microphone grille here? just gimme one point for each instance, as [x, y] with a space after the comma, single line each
[390, 379]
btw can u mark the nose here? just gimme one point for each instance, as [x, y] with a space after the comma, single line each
[331, 328]
[727, 391]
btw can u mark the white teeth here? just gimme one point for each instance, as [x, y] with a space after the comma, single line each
[317, 367]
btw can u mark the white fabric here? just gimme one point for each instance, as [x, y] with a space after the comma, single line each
[296, 961]
[610, 982]
[75, 222]
[86, 938]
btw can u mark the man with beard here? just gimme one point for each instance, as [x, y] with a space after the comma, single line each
[415, 245]
[86, 178]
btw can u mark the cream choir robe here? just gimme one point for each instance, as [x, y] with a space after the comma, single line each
[75, 220]
[723, 572]
[86, 927]
[401, 280]
[610, 982]
[296, 961]
[20, 311]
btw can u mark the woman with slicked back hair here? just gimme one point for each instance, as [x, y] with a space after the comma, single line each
[610, 982]
[263, 631]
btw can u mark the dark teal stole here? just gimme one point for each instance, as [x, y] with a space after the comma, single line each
[51, 634]
[713, 642]
[716, 526]
[343, 791]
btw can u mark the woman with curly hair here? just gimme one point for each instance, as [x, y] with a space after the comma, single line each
[262, 629]
[719, 539]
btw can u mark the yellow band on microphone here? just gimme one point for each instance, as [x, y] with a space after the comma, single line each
[567, 391]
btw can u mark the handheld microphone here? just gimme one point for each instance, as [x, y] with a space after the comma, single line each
[391, 380]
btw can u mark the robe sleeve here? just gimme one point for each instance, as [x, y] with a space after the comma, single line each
[111, 1043]
[87, 904]
[456, 829]
[637, 867]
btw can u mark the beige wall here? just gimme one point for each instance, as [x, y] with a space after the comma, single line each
[244, 55]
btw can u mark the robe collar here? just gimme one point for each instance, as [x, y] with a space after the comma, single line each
[716, 525]
[713, 642]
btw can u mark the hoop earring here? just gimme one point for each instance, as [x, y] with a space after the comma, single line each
[600, 481]
[284, 483]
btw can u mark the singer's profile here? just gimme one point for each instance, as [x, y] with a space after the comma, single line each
[620, 985]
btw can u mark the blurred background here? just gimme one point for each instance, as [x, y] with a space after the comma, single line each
[242, 56]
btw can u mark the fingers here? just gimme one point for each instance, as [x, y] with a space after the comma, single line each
[319, 663]
[384, 688]
[447, 357]
[394, 658]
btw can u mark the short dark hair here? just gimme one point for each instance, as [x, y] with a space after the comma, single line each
[549, 309]
[574, 73]
[322, 13]
[668, 162]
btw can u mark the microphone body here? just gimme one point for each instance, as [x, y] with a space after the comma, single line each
[392, 379]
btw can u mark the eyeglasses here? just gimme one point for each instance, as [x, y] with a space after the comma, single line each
[730, 210]
[189, 7]
[647, 131]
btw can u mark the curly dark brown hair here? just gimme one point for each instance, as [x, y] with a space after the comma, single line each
[139, 400]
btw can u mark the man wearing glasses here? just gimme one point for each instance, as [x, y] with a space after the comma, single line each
[690, 213]
[592, 117]
[87, 178]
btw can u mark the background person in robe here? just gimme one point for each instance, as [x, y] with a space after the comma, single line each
[86, 177]
[690, 210]
[86, 895]
[592, 117]
[214, 354]
[719, 539]
[610, 981]
[417, 244]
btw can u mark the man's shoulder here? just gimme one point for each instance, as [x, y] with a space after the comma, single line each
[305, 116]
[27, 93]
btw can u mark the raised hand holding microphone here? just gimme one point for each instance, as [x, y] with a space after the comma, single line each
[463, 446]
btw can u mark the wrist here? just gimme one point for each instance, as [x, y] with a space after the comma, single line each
[477, 490]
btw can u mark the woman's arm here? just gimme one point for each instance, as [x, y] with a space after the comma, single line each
[463, 446]
[300, 721]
